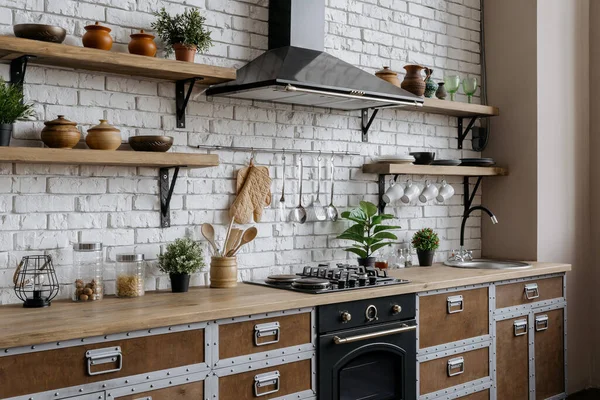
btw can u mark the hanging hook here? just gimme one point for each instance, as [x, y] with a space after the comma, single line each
[319, 158]
[252, 153]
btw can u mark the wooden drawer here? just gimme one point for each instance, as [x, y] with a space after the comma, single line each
[483, 395]
[293, 378]
[549, 354]
[512, 358]
[464, 367]
[243, 338]
[441, 322]
[62, 368]
[194, 390]
[518, 293]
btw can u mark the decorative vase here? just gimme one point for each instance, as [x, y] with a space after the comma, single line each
[103, 136]
[425, 257]
[223, 272]
[142, 44]
[60, 133]
[430, 86]
[367, 262]
[388, 75]
[413, 80]
[184, 53]
[97, 37]
[441, 91]
[180, 283]
[5, 134]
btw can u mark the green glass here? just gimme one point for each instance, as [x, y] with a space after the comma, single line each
[469, 87]
[452, 83]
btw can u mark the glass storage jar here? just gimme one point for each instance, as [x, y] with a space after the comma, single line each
[130, 271]
[88, 268]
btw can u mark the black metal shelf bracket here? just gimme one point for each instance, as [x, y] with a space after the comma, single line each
[366, 122]
[462, 135]
[468, 197]
[182, 98]
[166, 193]
[18, 67]
[382, 204]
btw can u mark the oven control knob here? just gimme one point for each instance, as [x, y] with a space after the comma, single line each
[396, 309]
[346, 316]
[371, 313]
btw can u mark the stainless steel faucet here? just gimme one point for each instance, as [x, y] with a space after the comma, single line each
[467, 255]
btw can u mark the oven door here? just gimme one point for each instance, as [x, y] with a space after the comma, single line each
[373, 363]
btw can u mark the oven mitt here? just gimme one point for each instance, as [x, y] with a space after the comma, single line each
[254, 195]
[243, 174]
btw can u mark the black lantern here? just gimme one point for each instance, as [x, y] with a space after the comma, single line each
[35, 281]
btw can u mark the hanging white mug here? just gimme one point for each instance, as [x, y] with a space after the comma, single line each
[411, 191]
[429, 192]
[446, 191]
[394, 192]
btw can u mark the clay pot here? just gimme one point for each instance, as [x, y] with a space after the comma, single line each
[142, 44]
[103, 137]
[184, 53]
[60, 133]
[97, 37]
[441, 91]
[388, 75]
[223, 272]
[414, 81]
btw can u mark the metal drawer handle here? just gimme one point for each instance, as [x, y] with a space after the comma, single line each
[104, 356]
[532, 291]
[267, 379]
[456, 366]
[144, 398]
[453, 303]
[541, 323]
[403, 328]
[266, 330]
[520, 327]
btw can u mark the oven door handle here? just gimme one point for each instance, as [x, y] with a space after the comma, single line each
[357, 338]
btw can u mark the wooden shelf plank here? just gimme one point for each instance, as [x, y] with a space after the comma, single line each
[35, 155]
[62, 55]
[411, 169]
[455, 108]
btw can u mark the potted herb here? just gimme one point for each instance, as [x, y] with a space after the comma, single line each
[12, 109]
[368, 232]
[185, 33]
[426, 241]
[182, 258]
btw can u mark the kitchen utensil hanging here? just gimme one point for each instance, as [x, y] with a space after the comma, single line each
[317, 207]
[332, 212]
[298, 214]
[281, 205]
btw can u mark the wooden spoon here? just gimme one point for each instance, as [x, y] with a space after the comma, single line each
[234, 240]
[247, 237]
[208, 231]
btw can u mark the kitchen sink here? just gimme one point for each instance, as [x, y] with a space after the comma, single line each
[488, 264]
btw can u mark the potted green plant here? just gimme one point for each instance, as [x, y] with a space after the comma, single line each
[185, 33]
[368, 232]
[12, 108]
[426, 241]
[182, 258]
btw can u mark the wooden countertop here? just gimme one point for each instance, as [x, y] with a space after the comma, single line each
[66, 320]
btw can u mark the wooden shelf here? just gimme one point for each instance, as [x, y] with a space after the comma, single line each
[456, 108]
[411, 169]
[36, 155]
[62, 55]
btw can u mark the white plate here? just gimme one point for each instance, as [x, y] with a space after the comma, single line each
[396, 160]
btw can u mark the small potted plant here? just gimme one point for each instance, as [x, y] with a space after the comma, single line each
[182, 258]
[426, 241]
[368, 232]
[185, 33]
[12, 108]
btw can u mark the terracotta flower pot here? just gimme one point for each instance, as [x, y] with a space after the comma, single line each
[184, 53]
[97, 37]
[61, 133]
[103, 137]
[414, 81]
[388, 75]
[142, 44]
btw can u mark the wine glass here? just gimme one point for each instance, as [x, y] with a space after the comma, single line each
[452, 83]
[469, 87]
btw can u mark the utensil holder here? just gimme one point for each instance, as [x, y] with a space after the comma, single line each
[223, 272]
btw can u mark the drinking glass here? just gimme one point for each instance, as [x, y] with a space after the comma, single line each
[452, 83]
[469, 87]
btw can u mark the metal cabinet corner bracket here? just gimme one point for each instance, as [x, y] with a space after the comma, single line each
[463, 134]
[165, 193]
[18, 66]
[366, 122]
[182, 98]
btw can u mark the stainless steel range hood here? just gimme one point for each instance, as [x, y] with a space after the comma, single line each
[296, 70]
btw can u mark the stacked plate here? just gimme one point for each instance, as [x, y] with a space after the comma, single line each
[446, 162]
[477, 162]
[403, 159]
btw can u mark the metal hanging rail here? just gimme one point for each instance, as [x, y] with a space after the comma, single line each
[267, 150]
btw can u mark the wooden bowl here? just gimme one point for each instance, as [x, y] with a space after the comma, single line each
[158, 144]
[41, 32]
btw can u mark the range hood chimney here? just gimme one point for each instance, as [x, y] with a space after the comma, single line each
[296, 70]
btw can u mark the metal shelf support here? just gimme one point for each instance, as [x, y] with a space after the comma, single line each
[468, 198]
[462, 135]
[381, 204]
[182, 98]
[18, 67]
[166, 193]
[366, 122]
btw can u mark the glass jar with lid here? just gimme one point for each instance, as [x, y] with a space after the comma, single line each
[88, 270]
[130, 271]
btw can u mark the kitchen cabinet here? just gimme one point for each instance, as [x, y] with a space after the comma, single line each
[179, 391]
[549, 355]
[512, 358]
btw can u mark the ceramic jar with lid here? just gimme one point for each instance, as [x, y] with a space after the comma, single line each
[103, 136]
[130, 271]
[60, 133]
[88, 269]
[142, 44]
[97, 37]
[388, 75]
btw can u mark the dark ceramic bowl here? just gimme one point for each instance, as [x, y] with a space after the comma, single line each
[423, 157]
[44, 33]
[151, 143]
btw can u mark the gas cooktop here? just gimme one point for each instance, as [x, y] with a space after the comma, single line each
[326, 279]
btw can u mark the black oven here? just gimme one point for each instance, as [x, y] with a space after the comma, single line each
[367, 350]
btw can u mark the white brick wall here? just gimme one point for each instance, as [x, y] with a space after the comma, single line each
[44, 208]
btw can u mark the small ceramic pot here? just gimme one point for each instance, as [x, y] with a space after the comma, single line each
[60, 133]
[103, 137]
[430, 85]
[223, 272]
[5, 134]
[441, 91]
[97, 37]
[184, 53]
[414, 81]
[425, 257]
[388, 75]
[142, 44]
[180, 283]
[366, 262]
